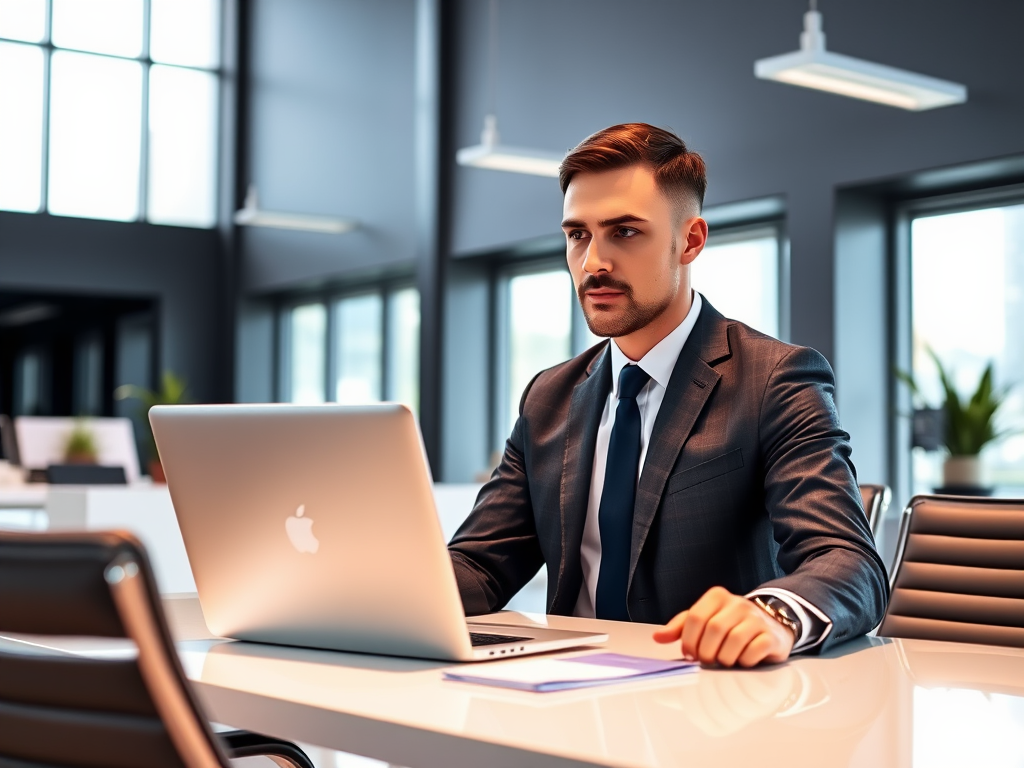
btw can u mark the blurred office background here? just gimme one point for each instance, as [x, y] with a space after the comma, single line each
[131, 132]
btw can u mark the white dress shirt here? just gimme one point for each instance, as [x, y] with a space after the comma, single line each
[659, 364]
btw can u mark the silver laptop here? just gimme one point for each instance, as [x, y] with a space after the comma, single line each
[316, 526]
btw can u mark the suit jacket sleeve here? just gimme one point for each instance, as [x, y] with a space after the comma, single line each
[496, 552]
[825, 546]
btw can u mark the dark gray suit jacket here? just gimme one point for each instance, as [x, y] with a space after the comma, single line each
[747, 483]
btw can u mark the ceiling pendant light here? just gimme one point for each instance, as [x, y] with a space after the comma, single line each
[250, 215]
[814, 67]
[490, 152]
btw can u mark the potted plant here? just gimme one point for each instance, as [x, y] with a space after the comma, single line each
[967, 427]
[80, 445]
[172, 391]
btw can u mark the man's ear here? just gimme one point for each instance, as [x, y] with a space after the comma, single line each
[693, 234]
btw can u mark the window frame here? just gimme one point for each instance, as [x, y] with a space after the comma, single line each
[329, 298]
[750, 230]
[901, 306]
[502, 273]
[48, 48]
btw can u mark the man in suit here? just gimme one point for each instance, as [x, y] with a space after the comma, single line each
[691, 472]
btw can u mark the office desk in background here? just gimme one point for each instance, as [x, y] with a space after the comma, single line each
[873, 703]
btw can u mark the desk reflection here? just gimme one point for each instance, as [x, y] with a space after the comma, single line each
[714, 717]
[868, 703]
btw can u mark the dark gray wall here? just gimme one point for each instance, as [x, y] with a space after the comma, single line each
[570, 67]
[330, 131]
[179, 267]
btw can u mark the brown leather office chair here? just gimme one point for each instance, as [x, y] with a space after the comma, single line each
[959, 572]
[876, 504]
[63, 709]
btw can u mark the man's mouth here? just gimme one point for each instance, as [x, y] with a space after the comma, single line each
[603, 289]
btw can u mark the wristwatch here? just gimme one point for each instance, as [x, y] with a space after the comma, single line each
[779, 610]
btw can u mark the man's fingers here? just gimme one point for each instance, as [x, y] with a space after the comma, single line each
[759, 649]
[718, 627]
[699, 615]
[737, 640]
[727, 629]
[671, 631]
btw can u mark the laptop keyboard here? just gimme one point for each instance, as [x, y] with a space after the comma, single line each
[479, 638]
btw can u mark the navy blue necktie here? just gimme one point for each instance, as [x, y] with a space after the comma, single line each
[615, 516]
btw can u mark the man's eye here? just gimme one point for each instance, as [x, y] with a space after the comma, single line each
[627, 232]
[577, 234]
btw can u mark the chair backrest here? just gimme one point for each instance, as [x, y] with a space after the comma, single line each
[959, 572]
[69, 709]
[876, 504]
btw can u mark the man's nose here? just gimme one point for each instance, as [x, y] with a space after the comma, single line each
[595, 261]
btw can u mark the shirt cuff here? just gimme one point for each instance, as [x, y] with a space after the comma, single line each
[815, 626]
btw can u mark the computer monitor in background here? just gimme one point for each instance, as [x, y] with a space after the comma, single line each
[41, 441]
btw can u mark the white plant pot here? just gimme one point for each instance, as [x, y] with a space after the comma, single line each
[962, 472]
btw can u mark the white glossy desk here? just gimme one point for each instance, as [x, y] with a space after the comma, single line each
[870, 703]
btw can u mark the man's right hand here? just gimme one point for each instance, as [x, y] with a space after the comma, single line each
[727, 629]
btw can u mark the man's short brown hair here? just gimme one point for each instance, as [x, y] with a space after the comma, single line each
[679, 173]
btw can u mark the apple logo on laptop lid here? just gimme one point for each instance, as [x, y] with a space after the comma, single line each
[300, 531]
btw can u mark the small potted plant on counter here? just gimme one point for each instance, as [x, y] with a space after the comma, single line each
[967, 426]
[172, 392]
[80, 445]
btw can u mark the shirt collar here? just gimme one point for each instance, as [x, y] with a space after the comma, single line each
[660, 361]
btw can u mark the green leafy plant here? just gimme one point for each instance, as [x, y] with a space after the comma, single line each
[172, 391]
[80, 446]
[968, 425]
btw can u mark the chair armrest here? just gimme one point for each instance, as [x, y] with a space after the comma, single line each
[249, 744]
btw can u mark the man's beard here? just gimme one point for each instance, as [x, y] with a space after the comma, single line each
[615, 324]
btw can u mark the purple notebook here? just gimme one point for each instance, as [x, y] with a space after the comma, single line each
[544, 674]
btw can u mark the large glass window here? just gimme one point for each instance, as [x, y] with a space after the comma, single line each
[23, 20]
[359, 338]
[739, 274]
[356, 348]
[307, 358]
[185, 32]
[538, 326]
[113, 27]
[967, 283]
[403, 348]
[95, 142]
[129, 128]
[182, 180]
[21, 126]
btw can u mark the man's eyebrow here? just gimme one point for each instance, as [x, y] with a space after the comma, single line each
[623, 219]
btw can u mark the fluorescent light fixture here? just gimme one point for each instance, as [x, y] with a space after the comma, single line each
[814, 67]
[252, 216]
[490, 153]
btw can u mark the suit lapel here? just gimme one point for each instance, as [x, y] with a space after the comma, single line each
[585, 409]
[689, 388]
